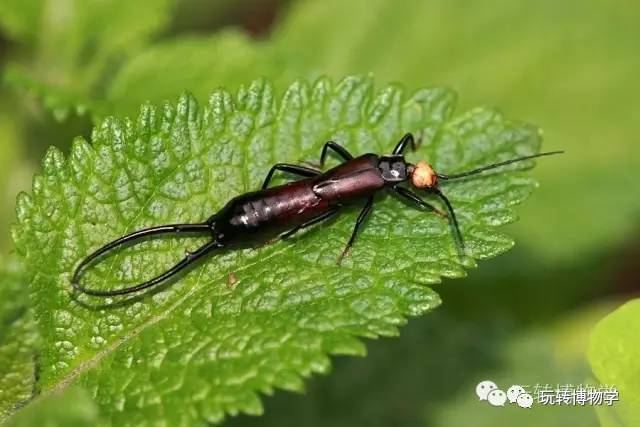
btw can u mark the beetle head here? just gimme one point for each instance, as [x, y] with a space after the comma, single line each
[423, 175]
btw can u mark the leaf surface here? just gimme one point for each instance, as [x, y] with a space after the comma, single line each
[205, 346]
[18, 343]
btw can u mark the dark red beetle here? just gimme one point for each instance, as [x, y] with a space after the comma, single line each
[279, 212]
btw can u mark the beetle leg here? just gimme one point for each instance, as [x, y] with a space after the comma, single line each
[459, 238]
[286, 167]
[407, 139]
[337, 148]
[410, 195]
[309, 223]
[364, 213]
[413, 197]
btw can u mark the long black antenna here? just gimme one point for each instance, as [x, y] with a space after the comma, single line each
[497, 165]
[139, 235]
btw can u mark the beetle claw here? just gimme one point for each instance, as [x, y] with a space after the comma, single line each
[441, 214]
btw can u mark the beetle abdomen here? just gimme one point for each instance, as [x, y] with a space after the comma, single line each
[264, 214]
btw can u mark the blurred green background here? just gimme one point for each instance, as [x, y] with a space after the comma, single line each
[570, 67]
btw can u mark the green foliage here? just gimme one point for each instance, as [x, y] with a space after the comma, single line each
[550, 355]
[19, 18]
[18, 342]
[203, 63]
[443, 357]
[76, 44]
[570, 67]
[202, 348]
[613, 353]
[9, 155]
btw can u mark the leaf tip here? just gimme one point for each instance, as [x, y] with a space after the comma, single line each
[53, 162]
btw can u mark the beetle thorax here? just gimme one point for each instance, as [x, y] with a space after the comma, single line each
[393, 168]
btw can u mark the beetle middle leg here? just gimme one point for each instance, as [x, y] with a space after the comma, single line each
[309, 223]
[364, 213]
[287, 167]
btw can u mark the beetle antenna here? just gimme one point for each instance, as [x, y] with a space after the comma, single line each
[497, 165]
[140, 235]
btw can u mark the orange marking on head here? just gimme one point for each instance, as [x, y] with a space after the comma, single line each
[424, 176]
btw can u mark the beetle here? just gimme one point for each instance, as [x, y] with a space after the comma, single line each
[279, 212]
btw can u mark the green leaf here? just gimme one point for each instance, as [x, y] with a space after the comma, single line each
[11, 172]
[72, 408]
[78, 43]
[19, 18]
[437, 363]
[202, 347]
[613, 353]
[18, 341]
[198, 64]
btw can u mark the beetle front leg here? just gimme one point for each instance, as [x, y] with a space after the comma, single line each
[413, 197]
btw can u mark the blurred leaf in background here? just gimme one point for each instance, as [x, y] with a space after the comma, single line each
[614, 353]
[12, 176]
[69, 47]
